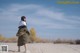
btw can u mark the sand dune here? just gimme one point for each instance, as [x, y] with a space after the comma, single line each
[44, 48]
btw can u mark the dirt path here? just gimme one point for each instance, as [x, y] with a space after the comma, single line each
[44, 48]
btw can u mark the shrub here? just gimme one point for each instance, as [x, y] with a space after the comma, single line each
[77, 41]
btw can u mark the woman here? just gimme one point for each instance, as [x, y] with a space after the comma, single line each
[23, 34]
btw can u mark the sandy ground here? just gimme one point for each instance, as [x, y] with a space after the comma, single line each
[44, 48]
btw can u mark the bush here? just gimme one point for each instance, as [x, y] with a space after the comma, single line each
[77, 41]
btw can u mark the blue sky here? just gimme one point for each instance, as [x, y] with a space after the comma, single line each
[50, 20]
